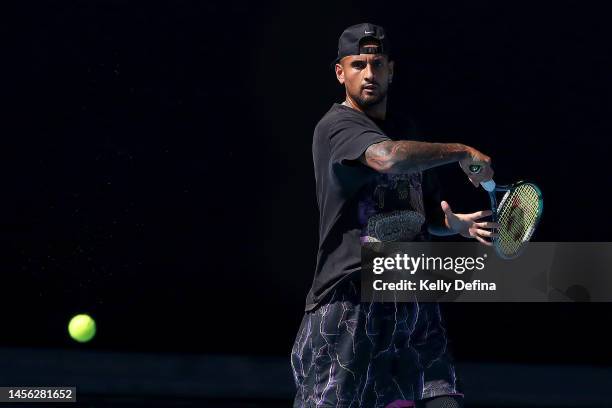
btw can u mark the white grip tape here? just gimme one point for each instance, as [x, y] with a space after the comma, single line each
[488, 185]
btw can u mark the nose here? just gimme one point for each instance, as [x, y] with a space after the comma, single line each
[368, 72]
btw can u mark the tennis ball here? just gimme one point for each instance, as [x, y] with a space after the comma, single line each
[82, 328]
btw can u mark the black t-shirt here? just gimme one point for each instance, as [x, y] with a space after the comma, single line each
[358, 204]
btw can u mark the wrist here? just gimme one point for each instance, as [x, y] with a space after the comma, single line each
[462, 151]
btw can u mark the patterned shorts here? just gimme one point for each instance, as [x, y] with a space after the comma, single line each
[370, 355]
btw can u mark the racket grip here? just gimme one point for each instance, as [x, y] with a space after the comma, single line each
[488, 185]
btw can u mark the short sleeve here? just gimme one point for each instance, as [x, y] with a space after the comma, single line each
[349, 139]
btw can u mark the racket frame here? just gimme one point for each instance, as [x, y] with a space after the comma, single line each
[495, 207]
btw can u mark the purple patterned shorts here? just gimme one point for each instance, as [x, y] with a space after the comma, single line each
[370, 355]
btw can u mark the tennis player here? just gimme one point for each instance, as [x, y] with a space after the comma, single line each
[374, 183]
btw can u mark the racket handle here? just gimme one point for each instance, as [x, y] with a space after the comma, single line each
[488, 185]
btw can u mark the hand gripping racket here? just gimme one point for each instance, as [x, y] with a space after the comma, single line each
[518, 214]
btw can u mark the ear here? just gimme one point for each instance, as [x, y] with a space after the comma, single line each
[339, 73]
[391, 67]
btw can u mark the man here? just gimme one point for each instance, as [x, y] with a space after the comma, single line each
[374, 184]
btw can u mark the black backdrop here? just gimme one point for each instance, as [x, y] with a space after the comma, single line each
[158, 170]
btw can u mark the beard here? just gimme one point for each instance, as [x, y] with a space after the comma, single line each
[371, 100]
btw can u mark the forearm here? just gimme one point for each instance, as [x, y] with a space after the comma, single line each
[407, 156]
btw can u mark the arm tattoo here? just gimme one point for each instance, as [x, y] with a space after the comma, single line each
[407, 156]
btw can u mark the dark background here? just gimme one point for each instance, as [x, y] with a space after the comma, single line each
[158, 171]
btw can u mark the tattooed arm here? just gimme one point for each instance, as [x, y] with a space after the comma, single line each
[407, 156]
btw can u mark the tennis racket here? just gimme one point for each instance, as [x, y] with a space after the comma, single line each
[518, 214]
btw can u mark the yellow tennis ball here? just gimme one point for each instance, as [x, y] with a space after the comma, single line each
[82, 328]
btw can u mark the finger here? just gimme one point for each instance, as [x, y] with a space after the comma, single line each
[446, 208]
[487, 224]
[485, 233]
[483, 241]
[480, 214]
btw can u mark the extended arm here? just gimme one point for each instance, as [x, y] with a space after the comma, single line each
[407, 156]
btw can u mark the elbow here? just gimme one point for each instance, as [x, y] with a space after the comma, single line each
[384, 165]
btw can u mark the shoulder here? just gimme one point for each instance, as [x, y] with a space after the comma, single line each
[336, 113]
[341, 117]
[326, 126]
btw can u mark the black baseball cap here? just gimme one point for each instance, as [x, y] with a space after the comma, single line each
[352, 38]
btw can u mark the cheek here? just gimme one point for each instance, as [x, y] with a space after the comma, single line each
[354, 83]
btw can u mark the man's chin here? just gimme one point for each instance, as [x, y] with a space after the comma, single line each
[367, 101]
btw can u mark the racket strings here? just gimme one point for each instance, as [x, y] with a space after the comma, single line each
[518, 214]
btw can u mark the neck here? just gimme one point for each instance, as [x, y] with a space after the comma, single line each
[378, 111]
